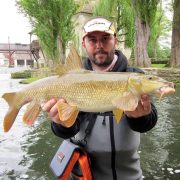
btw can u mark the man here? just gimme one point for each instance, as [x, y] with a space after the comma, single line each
[112, 147]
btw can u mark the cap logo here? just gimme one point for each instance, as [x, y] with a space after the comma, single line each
[97, 24]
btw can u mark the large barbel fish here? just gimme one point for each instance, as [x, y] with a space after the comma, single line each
[83, 90]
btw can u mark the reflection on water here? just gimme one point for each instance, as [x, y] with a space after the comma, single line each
[160, 147]
[25, 152]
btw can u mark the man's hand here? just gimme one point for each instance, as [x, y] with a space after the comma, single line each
[143, 108]
[51, 108]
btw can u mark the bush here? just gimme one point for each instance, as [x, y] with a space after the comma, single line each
[162, 54]
[21, 75]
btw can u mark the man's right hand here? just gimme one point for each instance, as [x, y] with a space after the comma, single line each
[51, 108]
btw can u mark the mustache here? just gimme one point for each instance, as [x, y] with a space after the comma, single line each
[100, 51]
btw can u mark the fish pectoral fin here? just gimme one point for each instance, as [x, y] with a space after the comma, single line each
[127, 102]
[118, 114]
[67, 113]
[33, 110]
[10, 118]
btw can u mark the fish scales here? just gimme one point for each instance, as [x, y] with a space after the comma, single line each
[83, 90]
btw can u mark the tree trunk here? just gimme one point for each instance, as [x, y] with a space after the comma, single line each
[61, 50]
[142, 33]
[175, 45]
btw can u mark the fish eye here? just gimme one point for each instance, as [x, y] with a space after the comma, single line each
[150, 78]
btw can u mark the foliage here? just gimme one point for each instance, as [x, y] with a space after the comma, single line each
[146, 9]
[162, 54]
[51, 22]
[160, 26]
[104, 8]
[21, 75]
[121, 12]
[125, 22]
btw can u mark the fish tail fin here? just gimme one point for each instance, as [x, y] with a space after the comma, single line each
[9, 97]
[73, 62]
[12, 112]
[10, 118]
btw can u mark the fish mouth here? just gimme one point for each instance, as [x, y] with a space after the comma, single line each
[166, 89]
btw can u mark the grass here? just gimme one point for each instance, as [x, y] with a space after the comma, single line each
[29, 80]
[158, 65]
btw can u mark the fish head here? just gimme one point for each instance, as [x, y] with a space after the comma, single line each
[150, 84]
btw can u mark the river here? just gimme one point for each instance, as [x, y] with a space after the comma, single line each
[25, 152]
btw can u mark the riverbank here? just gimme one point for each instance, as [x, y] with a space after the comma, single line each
[170, 74]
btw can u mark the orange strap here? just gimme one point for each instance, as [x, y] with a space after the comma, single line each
[71, 164]
[85, 168]
[84, 164]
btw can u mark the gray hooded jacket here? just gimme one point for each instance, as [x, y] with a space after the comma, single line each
[112, 147]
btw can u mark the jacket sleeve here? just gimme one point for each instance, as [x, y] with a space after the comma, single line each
[145, 123]
[64, 132]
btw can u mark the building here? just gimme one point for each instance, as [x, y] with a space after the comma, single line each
[15, 55]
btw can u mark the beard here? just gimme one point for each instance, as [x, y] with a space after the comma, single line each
[102, 58]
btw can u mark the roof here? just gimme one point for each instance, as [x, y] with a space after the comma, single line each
[14, 47]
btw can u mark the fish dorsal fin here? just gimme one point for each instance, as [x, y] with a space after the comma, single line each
[72, 62]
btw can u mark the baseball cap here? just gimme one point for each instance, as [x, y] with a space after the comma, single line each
[99, 24]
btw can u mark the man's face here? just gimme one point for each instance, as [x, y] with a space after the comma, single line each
[100, 47]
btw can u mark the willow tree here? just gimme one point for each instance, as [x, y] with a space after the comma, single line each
[120, 11]
[175, 44]
[160, 26]
[145, 12]
[51, 22]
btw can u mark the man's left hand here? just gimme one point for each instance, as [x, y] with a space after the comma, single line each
[143, 108]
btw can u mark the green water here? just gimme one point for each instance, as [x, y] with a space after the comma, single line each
[25, 152]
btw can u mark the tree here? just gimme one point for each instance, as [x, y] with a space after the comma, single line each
[51, 22]
[121, 13]
[175, 45]
[135, 25]
[145, 12]
[160, 27]
[139, 22]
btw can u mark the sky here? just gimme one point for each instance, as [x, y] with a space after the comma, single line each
[13, 24]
